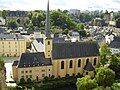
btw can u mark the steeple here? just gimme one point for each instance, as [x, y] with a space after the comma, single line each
[47, 29]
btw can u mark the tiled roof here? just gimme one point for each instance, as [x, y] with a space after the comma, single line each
[117, 39]
[57, 40]
[10, 37]
[88, 67]
[17, 13]
[75, 50]
[114, 44]
[33, 60]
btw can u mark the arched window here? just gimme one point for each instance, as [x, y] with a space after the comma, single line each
[87, 61]
[95, 60]
[71, 63]
[62, 65]
[79, 62]
[48, 42]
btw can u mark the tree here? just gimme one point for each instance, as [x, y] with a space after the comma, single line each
[62, 20]
[82, 33]
[1, 61]
[27, 22]
[22, 81]
[12, 25]
[104, 76]
[85, 83]
[115, 65]
[4, 13]
[18, 21]
[29, 80]
[104, 53]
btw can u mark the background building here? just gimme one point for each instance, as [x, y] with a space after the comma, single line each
[12, 45]
[75, 12]
[18, 16]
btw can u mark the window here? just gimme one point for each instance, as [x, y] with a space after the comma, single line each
[22, 71]
[30, 76]
[48, 42]
[49, 69]
[30, 71]
[43, 75]
[26, 71]
[86, 73]
[43, 70]
[79, 62]
[15, 49]
[26, 76]
[87, 61]
[49, 51]
[9, 42]
[2, 42]
[15, 42]
[49, 75]
[71, 62]
[62, 65]
[95, 60]
[22, 76]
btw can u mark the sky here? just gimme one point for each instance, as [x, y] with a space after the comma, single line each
[28, 5]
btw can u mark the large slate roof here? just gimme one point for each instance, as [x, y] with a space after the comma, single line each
[75, 50]
[33, 60]
[88, 67]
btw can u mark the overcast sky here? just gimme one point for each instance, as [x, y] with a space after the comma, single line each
[61, 4]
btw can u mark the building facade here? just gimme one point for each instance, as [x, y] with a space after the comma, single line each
[12, 45]
[75, 12]
[58, 59]
[18, 16]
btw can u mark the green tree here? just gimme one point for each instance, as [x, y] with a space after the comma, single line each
[104, 53]
[18, 21]
[4, 13]
[86, 83]
[22, 81]
[115, 65]
[12, 25]
[1, 61]
[27, 22]
[29, 80]
[62, 20]
[104, 76]
[34, 20]
[82, 33]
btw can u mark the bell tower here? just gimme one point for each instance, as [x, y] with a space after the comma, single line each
[48, 39]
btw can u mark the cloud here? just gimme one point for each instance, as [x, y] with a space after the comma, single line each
[116, 1]
[61, 4]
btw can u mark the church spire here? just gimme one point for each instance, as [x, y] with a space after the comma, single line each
[47, 22]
